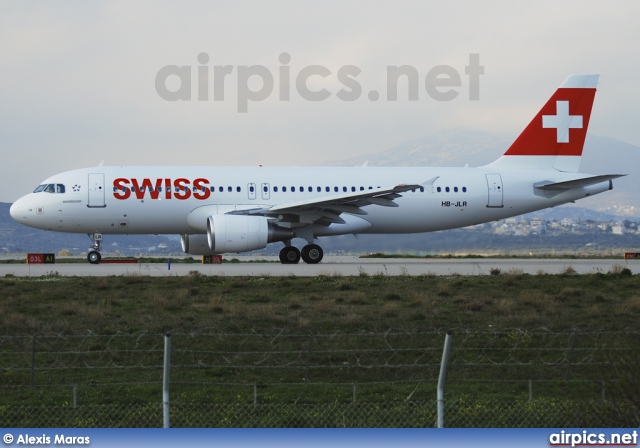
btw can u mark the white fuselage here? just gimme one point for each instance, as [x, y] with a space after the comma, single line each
[106, 200]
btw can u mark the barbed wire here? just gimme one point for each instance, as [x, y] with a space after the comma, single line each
[391, 350]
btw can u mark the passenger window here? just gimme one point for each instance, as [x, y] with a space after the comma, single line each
[455, 189]
[230, 189]
[446, 189]
[284, 189]
[293, 189]
[275, 189]
[421, 189]
[251, 189]
[439, 189]
[353, 188]
[238, 189]
[464, 189]
[335, 189]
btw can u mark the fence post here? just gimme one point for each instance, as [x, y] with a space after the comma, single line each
[255, 393]
[165, 379]
[530, 390]
[33, 359]
[443, 372]
[354, 393]
[75, 396]
[604, 398]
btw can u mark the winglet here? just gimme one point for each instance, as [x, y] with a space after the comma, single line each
[429, 184]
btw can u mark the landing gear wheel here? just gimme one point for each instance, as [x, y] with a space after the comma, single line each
[289, 255]
[94, 257]
[312, 254]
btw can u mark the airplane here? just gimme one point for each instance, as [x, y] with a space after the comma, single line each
[219, 210]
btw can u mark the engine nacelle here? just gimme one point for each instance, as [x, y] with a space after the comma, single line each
[241, 233]
[195, 244]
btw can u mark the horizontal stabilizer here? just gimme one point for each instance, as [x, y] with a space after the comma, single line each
[577, 183]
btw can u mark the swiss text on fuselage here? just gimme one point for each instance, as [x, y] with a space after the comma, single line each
[180, 188]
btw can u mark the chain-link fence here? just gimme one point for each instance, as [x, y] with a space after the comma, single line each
[495, 379]
[458, 413]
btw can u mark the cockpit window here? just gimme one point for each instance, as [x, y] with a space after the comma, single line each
[50, 188]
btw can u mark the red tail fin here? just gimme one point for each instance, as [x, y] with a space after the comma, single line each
[558, 131]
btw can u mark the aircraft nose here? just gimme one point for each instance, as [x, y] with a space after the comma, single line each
[18, 211]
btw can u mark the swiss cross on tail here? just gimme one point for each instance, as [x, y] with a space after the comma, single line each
[560, 128]
[562, 121]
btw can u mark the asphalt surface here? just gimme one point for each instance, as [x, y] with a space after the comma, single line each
[331, 265]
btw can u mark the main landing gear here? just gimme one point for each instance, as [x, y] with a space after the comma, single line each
[94, 256]
[311, 254]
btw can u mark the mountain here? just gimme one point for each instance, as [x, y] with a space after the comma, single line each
[458, 147]
[451, 147]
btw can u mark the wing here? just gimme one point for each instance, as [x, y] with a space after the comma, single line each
[326, 210]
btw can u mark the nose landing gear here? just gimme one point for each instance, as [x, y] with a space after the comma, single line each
[94, 256]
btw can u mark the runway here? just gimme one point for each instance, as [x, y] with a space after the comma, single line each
[331, 265]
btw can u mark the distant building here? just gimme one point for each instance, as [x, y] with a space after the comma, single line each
[617, 229]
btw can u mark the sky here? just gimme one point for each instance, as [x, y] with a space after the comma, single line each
[291, 82]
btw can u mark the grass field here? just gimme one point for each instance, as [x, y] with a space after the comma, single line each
[130, 304]
[316, 340]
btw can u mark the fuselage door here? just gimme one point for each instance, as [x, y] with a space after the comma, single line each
[251, 191]
[96, 190]
[494, 183]
[265, 191]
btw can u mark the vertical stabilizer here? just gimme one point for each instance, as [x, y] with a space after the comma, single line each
[555, 137]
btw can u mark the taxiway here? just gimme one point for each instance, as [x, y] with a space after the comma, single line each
[332, 265]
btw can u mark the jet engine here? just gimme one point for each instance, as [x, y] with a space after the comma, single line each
[241, 233]
[195, 244]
